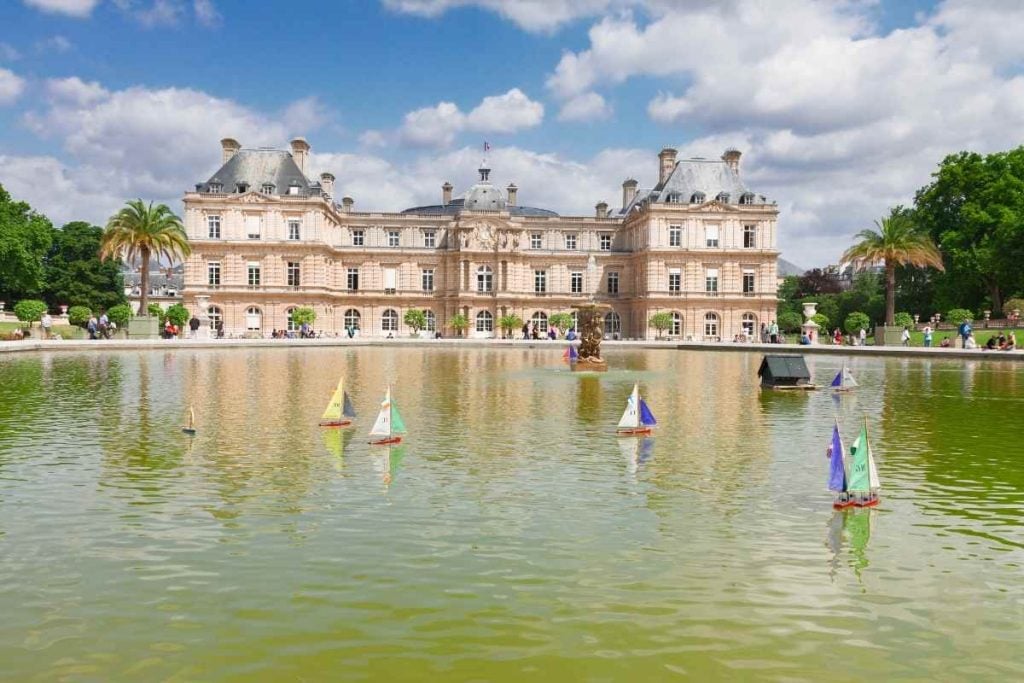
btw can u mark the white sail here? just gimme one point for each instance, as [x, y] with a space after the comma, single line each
[382, 427]
[631, 416]
[848, 380]
[873, 483]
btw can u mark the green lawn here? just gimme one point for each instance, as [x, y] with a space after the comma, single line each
[65, 331]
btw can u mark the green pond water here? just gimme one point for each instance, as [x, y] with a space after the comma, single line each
[512, 537]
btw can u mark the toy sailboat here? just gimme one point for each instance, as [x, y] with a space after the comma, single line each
[388, 428]
[191, 428]
[339, 412]
[637, 418]
[854, 482]
[571, 354]
[844, 380]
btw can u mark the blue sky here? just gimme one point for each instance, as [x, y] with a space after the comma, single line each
[842, 109]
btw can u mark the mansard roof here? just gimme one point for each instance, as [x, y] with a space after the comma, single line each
[257, 168]
[695, 181]
[457, 206]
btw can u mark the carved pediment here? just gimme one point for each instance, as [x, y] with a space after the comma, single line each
[488, 234]
[252, 197]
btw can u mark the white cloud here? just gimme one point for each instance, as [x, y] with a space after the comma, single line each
[61, 193]
[54, 44]
[206, 13]
[75, 91]
[11, 86]
[9, 53]
[586, 107]
[153, 13]
[71, 8]
[531, 15]
[437, 126]
[305, 115]
[432, 126]
[374, 138]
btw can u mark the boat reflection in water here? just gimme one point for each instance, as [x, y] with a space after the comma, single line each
[851, 527]
[335, 441]
[636, 450]
[387, 462]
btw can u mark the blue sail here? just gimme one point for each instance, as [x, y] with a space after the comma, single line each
[348, 410]
[838, 381]
[836, 469]
[646, 416]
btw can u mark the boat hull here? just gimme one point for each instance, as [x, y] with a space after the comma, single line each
[335, 423]
[189, 431]
[852, 501]
[634, 431]
[387, 441]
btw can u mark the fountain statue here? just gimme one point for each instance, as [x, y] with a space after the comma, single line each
[590, 318]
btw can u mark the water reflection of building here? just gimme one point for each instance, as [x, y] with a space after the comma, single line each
[266, 238]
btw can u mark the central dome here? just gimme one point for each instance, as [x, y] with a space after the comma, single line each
[484, 197]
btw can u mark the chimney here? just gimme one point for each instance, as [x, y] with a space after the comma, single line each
[512, 190]
[666, 162]
[601, 210]
[327, 184]
[628, 192]
[732, 159]
[446, 193]
[300, 152]
[346, 204]
[229, 147]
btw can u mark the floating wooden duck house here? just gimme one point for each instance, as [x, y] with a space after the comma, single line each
[785, 373]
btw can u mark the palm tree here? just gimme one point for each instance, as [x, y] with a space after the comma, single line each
[896, 242]
[143, 231]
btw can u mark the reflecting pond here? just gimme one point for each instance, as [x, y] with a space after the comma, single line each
[511, 536]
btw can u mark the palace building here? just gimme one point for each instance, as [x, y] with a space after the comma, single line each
[267, 238]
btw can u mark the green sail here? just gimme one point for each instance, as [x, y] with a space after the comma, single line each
[859, 476]
[397, 426]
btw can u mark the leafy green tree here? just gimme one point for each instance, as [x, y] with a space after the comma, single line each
[74, 273]
[661, 322]
[855, 322]
[897, 241]
[1014, 304]
[561, 321]
[958, 315]
[823, 322]
[303, 315]
[790, 322]
[787, 294]
[25, 237]
[29, 310]
[156, 311]
[510, 323]
[120, 314]
[140, 231]
[79, 315]
[903, 319]
[416, 319]
[459, 323]
[178, 315]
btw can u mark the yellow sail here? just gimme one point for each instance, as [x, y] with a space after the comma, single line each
[333, 411]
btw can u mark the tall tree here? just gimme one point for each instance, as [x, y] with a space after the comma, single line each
[140, 231]
[897, 241]
[74, 273]
[24, 238]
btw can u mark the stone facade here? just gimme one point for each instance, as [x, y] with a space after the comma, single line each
[266, 239]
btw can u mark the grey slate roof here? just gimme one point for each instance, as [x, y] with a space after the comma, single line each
[457, 206]
[785, 268]
[692, 176]
[258, 167]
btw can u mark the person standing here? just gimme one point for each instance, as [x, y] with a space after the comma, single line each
[193, 326]
[863, 337]
[927, 336]
[47, 323]
[905, 337]
[92, 326]
[773, 332]
[104, 325]
[965, 332]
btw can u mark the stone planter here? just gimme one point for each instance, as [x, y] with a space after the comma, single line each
[888, 336]
[143, 327]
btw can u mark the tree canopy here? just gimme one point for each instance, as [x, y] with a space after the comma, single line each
[74, 273]
[25, 237]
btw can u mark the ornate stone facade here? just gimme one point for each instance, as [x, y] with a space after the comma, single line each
[266, 239]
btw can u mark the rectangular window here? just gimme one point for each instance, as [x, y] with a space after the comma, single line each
[576, 282]
[535, 240]
[213, 274]
[748, 282]
[675, 281]
[429, 239]
[711, 281]
[353, 279]
[749, 237]
[540, 281]
[428, 279]
[357, 238]
[252, 226]
[393, 238]
[294, 229]
[613, 282]
[293, 274]
[213, 227]
[711, 235]
[254, 275]
[606, 242]
[570, 241]
[675, 236]
[390, 280]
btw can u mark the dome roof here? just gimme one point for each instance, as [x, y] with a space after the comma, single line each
[484, 197]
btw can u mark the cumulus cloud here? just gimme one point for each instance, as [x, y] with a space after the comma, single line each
[586, 107]
[54, 44]
[437, 126]
[11, 86]
[71, 8]
[9, 53]
[206, 13]
[531, 15]
[75, 91]
[432, 126]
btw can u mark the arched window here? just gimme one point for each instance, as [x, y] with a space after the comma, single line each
[253, 319]
[484, 321]
[352, 319]
[389, 321]
[216, 317]
[747, 198]
[612, 324]
[697, 198]
[540, 322]
[292, 327]
[484, 279]
[431, 320]
[673, 198]
[749, 324]
[723, 197]
[677, 324]
[710, 326]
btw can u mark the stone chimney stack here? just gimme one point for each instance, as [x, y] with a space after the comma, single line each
[327, 184]
[346, 204]
[229, 147]
[666, 162]
[446, 193]
[732, 159]
[512, 191]
[601, 210]
[300, 152]
[628, 192]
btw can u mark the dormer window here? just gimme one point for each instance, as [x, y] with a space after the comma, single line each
[723, 197]
[747, 198]
[268, 188]
[214, 188]
[697, 198]
[293, 189]
[673, 198]
[241, 188]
